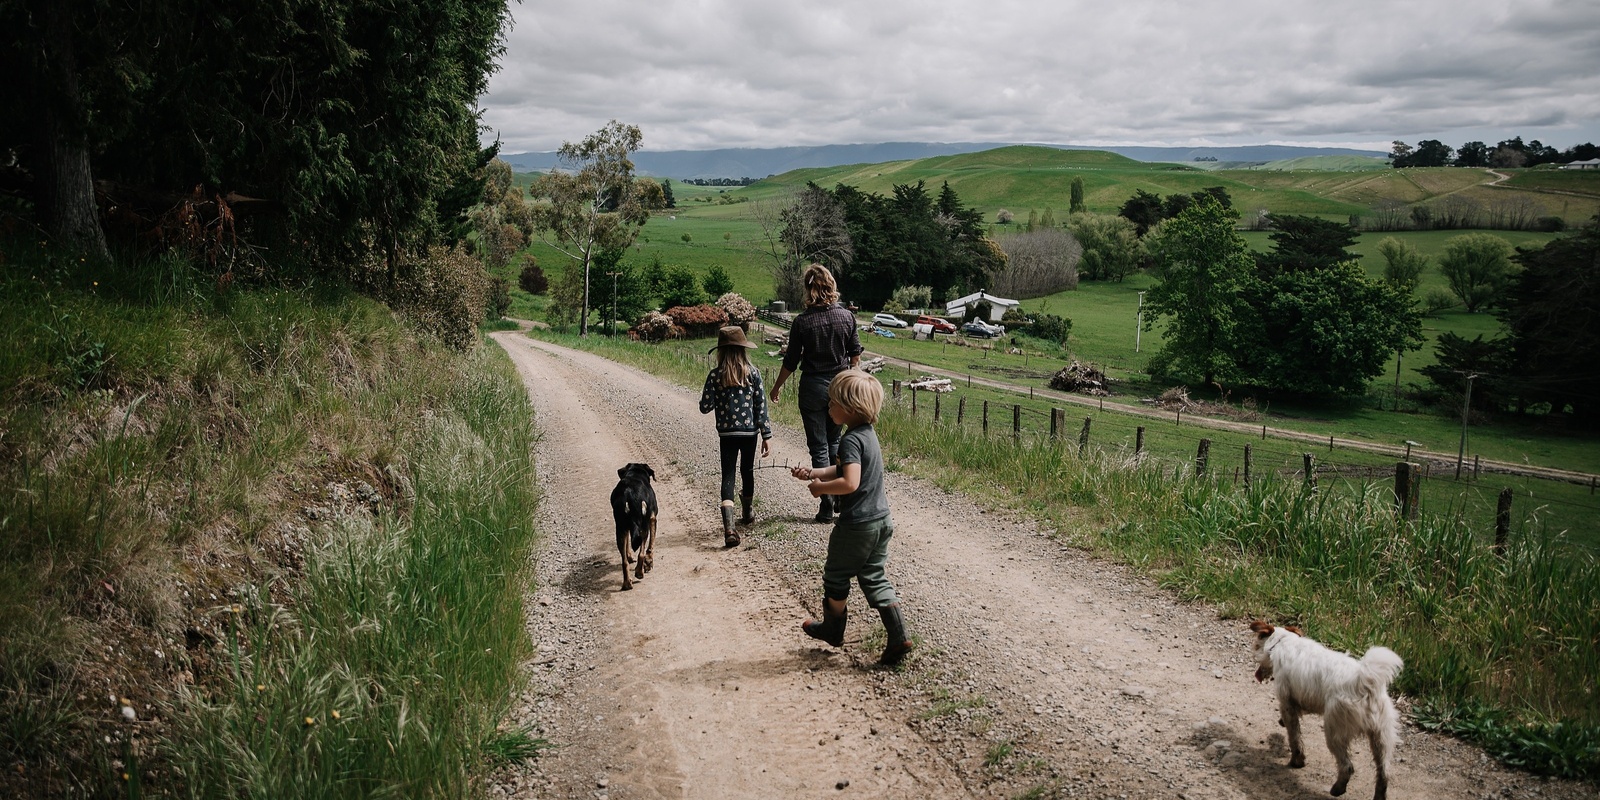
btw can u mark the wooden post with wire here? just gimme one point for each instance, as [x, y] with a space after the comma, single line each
[1310, 471]
[1057, 422]
[1407, 483]
[1138, 444]
[1083, 437]
[1202, 456]
[1502, 522]
[1247, 466]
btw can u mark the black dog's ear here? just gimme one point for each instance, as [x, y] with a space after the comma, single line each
[648, 470]
[623, 472]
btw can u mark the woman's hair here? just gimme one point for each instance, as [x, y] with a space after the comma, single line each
[819, 286]
[735, 365]
[858, 393]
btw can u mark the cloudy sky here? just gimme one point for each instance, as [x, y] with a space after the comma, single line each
[704, 74]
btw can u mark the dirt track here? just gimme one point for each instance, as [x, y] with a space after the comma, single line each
[1042, 672]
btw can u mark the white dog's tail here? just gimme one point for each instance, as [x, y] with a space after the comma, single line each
[1378, 668]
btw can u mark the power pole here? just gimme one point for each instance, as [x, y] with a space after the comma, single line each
[1138, 323]
[1466, 409]
[613, 324]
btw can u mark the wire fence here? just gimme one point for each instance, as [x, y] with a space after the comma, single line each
[1188, 451]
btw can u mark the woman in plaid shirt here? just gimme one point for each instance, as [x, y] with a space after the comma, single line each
[822, 343]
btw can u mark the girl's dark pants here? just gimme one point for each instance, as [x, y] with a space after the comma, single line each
[859, 551]
[822, 435]
[741, 450]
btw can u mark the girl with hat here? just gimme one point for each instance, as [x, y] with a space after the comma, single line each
[733, 390]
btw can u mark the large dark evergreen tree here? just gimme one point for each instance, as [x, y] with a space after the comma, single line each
[352, 119]
[1549, 309]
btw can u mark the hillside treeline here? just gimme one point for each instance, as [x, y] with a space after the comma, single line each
[1511, 153]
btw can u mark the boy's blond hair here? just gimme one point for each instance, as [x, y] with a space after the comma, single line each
[821, 290]
[858, 393]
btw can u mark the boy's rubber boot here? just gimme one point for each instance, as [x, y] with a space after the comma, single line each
[830, 629]
[749, 517]
[825, 509]
[730, 537]
[894, 627]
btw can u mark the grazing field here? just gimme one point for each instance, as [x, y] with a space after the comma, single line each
[721, 227]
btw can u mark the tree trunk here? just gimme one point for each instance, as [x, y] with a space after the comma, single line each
[66, 181]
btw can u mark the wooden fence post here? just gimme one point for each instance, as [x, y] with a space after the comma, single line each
[936, 407]
[1475, 465]
[1310, 471]
[1016, 421]
[1502, 522]
[1407, 479]
[1247, 466]
[914, 394]
[961, 411]
[986, 416]
[1083, 437]
[1057, 417]
[897, 389]
[1202, 456]
[1138, 444]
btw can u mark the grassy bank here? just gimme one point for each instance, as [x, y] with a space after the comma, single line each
[1500, 649]
[254, 542]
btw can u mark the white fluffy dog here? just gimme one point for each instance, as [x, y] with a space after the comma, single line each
[1352, 697]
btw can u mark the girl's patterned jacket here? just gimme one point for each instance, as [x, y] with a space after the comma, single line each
[741, 410]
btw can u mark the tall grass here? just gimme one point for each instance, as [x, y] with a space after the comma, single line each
[159, 441]
[1514, 635]
[388, 669]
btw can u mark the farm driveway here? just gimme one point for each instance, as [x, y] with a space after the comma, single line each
[1042, 672]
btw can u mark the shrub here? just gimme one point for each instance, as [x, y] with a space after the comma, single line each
[1550, 224]
[1051, 328]
[532, 278]
[909, 297]
[717, 281]
[739, 310]
[445, 292]
[680, 288]
[698, 321]
[655, 326]
[1437, 300]
[499, 297]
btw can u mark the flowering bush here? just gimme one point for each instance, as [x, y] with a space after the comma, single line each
[739, 310]
[655, 326]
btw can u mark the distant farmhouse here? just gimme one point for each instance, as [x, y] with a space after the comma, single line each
[1593, 163]
[998, 306]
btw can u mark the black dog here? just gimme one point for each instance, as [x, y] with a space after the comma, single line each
[633, 504]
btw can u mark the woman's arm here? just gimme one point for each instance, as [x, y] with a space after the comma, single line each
[777, 383]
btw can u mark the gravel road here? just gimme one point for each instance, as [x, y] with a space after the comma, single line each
[1042, 672]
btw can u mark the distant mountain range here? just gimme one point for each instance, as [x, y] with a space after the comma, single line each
[762, 162]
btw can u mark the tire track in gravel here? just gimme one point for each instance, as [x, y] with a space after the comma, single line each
[1042, 670]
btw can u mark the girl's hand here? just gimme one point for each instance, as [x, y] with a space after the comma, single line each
[766, 448]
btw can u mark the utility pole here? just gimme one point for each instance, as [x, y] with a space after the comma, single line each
[1466, 408]
[1138, 323]
[613, 324]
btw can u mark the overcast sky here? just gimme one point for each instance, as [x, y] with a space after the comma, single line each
[704, 74]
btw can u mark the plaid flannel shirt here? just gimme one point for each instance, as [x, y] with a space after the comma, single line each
[822, 341]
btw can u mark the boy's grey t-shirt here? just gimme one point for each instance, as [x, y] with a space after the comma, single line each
[868, 502]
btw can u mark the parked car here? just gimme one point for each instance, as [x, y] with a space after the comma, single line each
[938, 325]
[889, 321]
[983, 330]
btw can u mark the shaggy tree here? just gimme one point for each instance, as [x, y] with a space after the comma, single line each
[1477, 267]
[717, 282]
[801, 229]
[502, 219]
[1111, 247]
[595, 203]
[1203, 265]
[1076, 195]
[1403, 263]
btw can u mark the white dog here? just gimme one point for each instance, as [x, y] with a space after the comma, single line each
[1352, 697]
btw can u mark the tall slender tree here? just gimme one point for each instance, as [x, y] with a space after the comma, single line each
[1203, 264]
[596, 203]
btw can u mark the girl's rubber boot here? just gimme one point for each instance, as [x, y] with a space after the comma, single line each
[749, 517]
[830, 629]
[730, 537]
[894, 627]
[825, 509]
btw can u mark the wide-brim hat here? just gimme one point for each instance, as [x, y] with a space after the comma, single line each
[731, 336]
